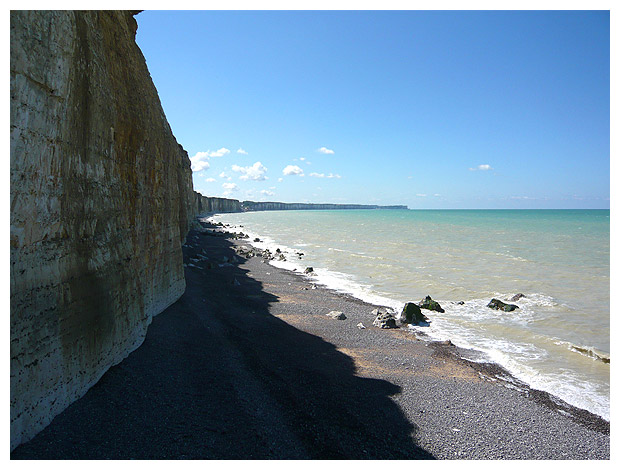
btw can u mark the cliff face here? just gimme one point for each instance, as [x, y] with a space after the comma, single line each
[205, 204]
[101, 199]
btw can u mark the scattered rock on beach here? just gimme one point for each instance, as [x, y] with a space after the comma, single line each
[361, 326]
[430, 304]
[380, 310]
[385, 320]
[499, 305]
[516, 297]
[336, 315]
[309, 270]
[243, 251]
[412, 314]
[256, 240]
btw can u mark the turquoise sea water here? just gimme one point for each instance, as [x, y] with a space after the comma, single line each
[560, 260]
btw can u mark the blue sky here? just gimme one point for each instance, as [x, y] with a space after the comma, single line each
[445, 109]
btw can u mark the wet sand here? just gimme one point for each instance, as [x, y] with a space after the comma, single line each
[246, 365]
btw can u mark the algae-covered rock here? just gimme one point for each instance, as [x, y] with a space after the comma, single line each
[430, 304]
[412, 314]
[499, 305]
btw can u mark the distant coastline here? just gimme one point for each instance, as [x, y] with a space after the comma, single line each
[213, 205]
[248, 206]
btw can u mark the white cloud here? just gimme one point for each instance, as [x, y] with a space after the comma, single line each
[421, 195]
[255, 172]
[280, 180]
[199, 161]
[302, 158]
[326, 151]
[293, 170]
[267, 192]
[217, 153]
[210, 180]
[484, 167]
[241, 151]
[323, 175]
[230, 186]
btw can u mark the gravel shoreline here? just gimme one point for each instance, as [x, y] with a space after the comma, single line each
[247, 365]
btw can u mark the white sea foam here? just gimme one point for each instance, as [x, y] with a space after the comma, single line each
[540, 343]
[513, 356]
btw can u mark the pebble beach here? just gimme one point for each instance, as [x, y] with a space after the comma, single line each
[249, 364]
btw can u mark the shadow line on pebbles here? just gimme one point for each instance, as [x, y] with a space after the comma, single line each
[219, 377]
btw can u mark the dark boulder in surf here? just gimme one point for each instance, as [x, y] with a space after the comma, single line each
[430, 304]
[516, 297]
[412, 314]
[499, 305]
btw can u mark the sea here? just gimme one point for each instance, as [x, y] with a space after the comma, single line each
[557, 341]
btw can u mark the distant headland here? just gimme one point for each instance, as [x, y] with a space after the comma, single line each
[207, 204]
[248, 206]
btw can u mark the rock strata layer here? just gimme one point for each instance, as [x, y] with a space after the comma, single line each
[101, 200]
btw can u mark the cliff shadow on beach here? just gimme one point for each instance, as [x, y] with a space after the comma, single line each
[219, 377]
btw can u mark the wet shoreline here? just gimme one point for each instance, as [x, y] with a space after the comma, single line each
[247, 365]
